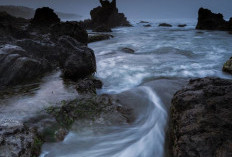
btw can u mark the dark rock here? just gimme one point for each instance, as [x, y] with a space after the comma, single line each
[44, 17]
[12, 26]
[88, 86]
[102, 28]
[227, 67]
[230, 32]
[108, 15]
[99, 37]
[143, 22]
[148, 25]
[80, 64]
[128, 50]
[182, 25]
[211, 21]
[72, 29]
[201, 119]
[164, 25]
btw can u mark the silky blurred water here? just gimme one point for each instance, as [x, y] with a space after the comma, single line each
[167, 54]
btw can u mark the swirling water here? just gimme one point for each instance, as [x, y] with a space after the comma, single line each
[160, 54]
[164, 59]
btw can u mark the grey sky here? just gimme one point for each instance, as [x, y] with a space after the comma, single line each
[135, 9]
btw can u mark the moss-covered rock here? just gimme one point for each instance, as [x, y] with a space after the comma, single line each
[227, 67]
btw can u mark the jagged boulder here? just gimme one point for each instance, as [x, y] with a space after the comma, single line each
[44, 17]
[107, 14]
[211, 21]
[201, 119]
[72, 29]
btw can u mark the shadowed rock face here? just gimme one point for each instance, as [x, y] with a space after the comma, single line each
[227, 67]
[211, 21]
[201, 119]
[44, 17]
[108, 15]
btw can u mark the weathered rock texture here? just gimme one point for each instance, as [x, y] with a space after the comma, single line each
[26, 54]
[108, 15]
[201, 119]
[227, 67]
[211, 21]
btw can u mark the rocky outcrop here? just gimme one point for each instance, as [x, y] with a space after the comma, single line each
[164, 25]
[88, 86]
[107, 14]
[211, 21]
[44, 17]
[128, 50]
[30, 54]
[148, 25]
[72, 29]
[201, 119]
[227, 67]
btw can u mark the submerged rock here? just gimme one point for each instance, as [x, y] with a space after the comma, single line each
[99, 37]
[148, 25]
[182, 25]
[143, 22]
[93, 108]
[108, 15]
[211, 21]
[201, 119]
[44, 17]
[164, 25]
[128, 50]
[227, 67]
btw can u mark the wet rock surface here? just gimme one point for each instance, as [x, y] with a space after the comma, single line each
[211, 21]
[128, 50]
[102, 29]
[227, 67]
[107, 14]
[31, 53]
[201, 119]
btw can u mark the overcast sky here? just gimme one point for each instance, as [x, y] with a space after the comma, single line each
[135, 9]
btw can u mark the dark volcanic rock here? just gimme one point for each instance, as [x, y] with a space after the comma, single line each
[44, 17]
[211, 21]
[201, 119]
[227, 67]
[182, 25]
[72, 29]
[99, 37]
[143, 22]
[108, 15]
[164, 25]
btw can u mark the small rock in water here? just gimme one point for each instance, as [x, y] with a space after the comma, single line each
[99, 37]
[164, 25]
[148, 25]
[143, 22]
[227, 67]
[182, 25]
[88, 86]
[128, 50]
